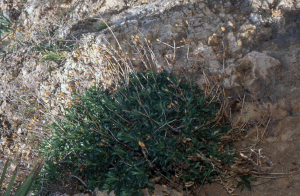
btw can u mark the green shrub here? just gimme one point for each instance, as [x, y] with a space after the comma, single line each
[157, 125]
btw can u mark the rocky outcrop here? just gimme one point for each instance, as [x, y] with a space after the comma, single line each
[249, 48]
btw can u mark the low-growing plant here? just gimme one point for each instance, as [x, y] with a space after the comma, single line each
[5, 26]
[155, 126]
[53, 56]
[54, 51]
[5, 30]
[245, 181]
[101, 26]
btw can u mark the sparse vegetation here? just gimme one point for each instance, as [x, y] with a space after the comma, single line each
[153, 129]
[101, 26]
[54, 51]
[245, 182]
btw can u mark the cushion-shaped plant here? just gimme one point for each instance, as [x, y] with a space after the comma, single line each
[155, 125]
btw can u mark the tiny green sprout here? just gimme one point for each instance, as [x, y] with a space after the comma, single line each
[101, 26]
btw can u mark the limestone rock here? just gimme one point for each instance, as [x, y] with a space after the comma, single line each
[162, 190]
[247, 32]
[102, 193]
[215, 40]
[258, 66]
[235, 45]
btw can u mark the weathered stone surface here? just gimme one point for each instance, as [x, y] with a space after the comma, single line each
[102, 193]
[235, 45]
[215, 40]
[159, 190]
[257, 65]
[266, 81]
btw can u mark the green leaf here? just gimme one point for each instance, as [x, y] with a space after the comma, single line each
[4, 172]
[11, 183]
[112, 179]
[197, 165]
[4, 20]
[137, 173]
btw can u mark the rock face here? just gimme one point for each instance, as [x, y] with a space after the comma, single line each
[250, 48]
[258, 66]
